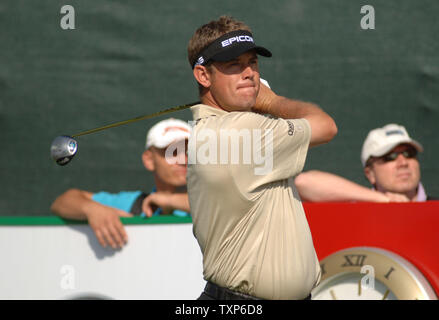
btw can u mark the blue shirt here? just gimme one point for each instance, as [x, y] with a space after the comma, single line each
[124, 200]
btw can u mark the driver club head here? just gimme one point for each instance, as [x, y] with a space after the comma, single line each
[63, 149]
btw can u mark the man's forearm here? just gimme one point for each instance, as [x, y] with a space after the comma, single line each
[286, 108]
[323, 127]
[180, 201]
[72, 204]
[319, 186]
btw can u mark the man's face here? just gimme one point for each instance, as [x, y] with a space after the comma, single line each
[401, 175]
[169, 167]
[235, 84]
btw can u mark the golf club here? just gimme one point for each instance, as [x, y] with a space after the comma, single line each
[64, 147]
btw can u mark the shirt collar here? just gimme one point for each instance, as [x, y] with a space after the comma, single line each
[421, 196]
[202, 111]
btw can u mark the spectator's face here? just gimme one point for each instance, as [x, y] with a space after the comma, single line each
[168, 164]
[234, 85]
[400, 175]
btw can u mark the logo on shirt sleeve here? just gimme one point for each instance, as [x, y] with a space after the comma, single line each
[290, 128]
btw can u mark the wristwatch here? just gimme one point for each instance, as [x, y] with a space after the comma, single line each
[368, 273]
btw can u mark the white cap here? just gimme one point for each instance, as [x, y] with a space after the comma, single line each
[382, 140]
[163, 133]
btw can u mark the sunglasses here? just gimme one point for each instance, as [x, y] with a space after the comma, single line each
[391, 156]
[408, 154]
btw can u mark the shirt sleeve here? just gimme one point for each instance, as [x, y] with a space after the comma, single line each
[291, 140]
[123, 200]
[280, 153]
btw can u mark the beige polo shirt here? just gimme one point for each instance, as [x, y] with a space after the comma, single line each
[250, 224]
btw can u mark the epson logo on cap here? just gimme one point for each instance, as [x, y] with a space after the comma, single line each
[230, 41]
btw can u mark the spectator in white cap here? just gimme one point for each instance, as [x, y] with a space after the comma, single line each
[390, 163]
[169, 196]
[389, 159]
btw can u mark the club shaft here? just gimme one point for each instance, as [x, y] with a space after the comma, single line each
[144, 117]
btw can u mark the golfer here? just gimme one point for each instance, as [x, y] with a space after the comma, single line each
[249, 223]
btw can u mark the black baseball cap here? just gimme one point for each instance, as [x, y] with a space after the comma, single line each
[229, 46]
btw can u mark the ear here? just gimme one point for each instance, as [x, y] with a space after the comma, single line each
[370, 175]
[147, 159]
[202, 76]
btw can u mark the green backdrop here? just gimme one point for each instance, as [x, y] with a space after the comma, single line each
[128, 58]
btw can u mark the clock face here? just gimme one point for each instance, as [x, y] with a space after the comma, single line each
[365, 273]
[349, 286]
